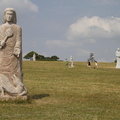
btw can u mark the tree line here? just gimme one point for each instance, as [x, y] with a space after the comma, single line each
[40, 57]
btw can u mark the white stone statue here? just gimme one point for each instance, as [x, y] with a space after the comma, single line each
[72, 63]
[34, 57]
[11, 81]
[118, 58]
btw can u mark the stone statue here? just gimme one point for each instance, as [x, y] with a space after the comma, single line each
[34, 57]
[92, 58]
[11, 82]
[72, 63]
[118, 58]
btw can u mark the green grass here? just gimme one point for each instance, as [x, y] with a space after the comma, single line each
[57, 92]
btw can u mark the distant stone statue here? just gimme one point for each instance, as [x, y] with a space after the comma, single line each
[34, 57]
[91, 57]
[118, 58]
[11, 81]
[72, 63]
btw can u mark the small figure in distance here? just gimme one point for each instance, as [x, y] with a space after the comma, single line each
[96, 64]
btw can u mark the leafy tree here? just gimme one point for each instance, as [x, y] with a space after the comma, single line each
[30, 55]
[40, 57]
[47, 58]
[54, 58]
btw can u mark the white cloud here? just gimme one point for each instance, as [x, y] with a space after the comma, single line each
[89, 31]
[94, 28]
[32, 6]
[23, 5]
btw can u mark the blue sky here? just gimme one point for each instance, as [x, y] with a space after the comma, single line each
[69, 27]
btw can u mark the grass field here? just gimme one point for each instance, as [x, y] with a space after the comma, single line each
[57, 92]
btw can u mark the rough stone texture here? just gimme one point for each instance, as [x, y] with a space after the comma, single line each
[12, 98]
[11, 82]
[118, 58]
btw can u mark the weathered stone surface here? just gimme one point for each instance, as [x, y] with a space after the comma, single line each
[12, 98]
[118, 58]
[11, 81]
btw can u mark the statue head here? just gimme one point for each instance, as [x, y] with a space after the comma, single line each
[14, 18]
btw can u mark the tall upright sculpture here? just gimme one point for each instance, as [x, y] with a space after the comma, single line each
[118, 58]
[72, 63]
[34, 57]
[11, 81]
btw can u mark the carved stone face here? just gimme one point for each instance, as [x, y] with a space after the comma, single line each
[9, 16]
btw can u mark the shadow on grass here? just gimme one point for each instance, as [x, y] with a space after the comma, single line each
[39, 96]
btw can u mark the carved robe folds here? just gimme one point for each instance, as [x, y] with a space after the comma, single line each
[11, 83]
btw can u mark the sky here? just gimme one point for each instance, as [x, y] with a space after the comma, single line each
[68, 27]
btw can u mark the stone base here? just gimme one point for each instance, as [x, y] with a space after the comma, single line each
[13, 98]
[118, 63]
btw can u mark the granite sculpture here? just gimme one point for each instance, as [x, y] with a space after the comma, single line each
[118, 58]
[11, 78]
